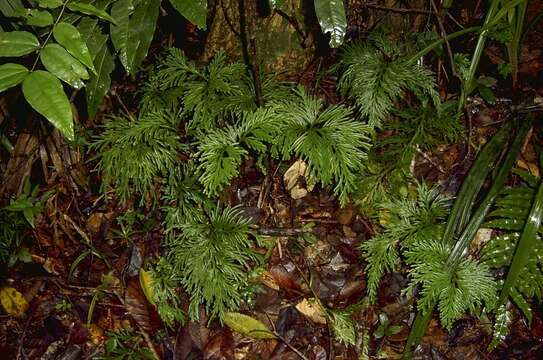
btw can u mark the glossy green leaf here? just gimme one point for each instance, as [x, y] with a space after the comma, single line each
[194, 11]
[17, 43]
[247, 325]
[11, 75]
[89, 9]
[524, 246]
[332, 19]
[35, 17]
[68, 36]
[142, 28]
[63, 65]
[51, 4]
[121, 11]
[99, 83]
[45, 94]
[92, 33]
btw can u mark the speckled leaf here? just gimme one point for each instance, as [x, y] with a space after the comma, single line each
[247, 325]
[331, 15]
[63, 65]
[45, 94]
[13, 301]
[68, 36]
[11, 75]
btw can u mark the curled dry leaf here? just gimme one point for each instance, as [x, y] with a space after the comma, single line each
[292, 177]
[312, 310]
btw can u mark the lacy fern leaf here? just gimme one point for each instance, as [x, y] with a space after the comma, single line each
[211, 257]
[375, 75]
[132, 153]
[329, 140]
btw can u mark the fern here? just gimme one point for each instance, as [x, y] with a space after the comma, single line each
[211, 256]
[414, 230]
[165, 282]
[376, 74]
[132, 153]
[329, 140]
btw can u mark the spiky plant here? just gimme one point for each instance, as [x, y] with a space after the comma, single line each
[332, 143]
[132, 153]
[376, 74]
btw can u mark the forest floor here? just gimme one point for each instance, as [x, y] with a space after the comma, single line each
[315, 255]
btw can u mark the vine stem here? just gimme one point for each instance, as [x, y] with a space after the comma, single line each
[57, 20]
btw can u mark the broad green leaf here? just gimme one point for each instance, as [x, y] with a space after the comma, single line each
[99, 83]
[13, 301]
[45, 94]
[17, 43]
[51, 4]
[146, 282]
[121, 12]
[63, 65]
[11, 75]
[247, 325]
[332, 19]
[68, 36]
[89, 9]
[35, 17]
[194, 11]
[142, 28]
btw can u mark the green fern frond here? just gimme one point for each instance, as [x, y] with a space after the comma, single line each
[132, 153]
[382, 256]
[375, 76]
[165, 282]
[329, 140]
[504, 317]
[212, 257]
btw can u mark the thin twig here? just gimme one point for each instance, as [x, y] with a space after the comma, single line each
[444, 37]
[399, 10]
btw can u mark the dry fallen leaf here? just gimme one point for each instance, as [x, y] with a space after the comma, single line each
[13, 301]
[291, 178]
[146, 282]
[267, 279]
[311, 309]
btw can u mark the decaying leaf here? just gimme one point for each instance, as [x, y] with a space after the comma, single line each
[13, 301]
[311, 309]
[292, 178]
[146, 282]
[247, 325]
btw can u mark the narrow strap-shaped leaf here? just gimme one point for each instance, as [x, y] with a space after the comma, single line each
[332, 19]
[121, 11]
[45, 94]
[17, 43]
[530, 179]
[63, 65]
[473, 182]
[11, 75]
[68, 36]
[525, 245]
[194, 11]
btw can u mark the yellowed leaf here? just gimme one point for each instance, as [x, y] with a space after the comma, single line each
[528, 166]
[247, 325]
[13, 301]
[291, 179]
[311, 309]
[146, 282]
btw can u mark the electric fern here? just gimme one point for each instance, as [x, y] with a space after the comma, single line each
[332, 143]
[376, 74]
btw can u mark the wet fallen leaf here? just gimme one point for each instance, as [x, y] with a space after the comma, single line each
[146, 282]
[134, 301]
[247, 325]
[267, 279]
[311, 309]
[13, 301]
[292, 180]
